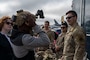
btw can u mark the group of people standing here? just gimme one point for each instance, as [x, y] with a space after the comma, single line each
[20, 45]
[74, 39]
[69, 45]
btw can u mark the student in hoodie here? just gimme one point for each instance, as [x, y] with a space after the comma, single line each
[22, 40]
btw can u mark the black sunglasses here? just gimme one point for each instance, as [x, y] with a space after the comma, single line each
[69, 17]
[9, 23]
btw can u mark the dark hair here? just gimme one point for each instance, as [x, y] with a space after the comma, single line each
[47, 22]
[72, 12]
[65, 23]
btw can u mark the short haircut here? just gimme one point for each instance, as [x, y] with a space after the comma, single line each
[47, 22]
[72, 12]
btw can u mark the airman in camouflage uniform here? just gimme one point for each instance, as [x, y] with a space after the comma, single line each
[74, 43]
[42, 51]
[60, 40]
[48, 31]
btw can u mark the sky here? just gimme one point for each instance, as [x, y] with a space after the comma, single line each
[53, 9]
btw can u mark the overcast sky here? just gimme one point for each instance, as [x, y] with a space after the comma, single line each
[53, 9]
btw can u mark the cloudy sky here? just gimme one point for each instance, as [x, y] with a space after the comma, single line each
[53, 9]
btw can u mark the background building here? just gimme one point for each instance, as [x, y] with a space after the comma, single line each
[83, 11]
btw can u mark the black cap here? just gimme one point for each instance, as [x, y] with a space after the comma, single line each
[64, 23]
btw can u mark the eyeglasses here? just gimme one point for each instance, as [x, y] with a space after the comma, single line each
[9, 23]
[69, 17]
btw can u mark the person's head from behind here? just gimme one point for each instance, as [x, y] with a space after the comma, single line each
[6, 23]
[64, 27]
[25, 20]
[46, 24]
[71, 17]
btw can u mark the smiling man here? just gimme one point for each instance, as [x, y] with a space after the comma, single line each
[74, 43]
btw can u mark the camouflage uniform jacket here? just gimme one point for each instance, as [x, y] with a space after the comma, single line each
[50, 34]
[74, 43]
[60, 44]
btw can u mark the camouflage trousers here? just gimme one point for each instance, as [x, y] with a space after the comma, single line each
[45, 55]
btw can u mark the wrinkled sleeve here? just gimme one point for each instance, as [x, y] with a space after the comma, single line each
[32, 42]
[79, 37]
[60, 41]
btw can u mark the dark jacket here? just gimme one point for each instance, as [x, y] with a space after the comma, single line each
[23, 44]
[5, 48]
[16, 39]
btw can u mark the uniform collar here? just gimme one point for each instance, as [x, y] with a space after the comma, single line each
[71, 28]
[46, 30]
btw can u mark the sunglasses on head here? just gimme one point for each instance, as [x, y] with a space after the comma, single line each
[69, 17]
[9, 23]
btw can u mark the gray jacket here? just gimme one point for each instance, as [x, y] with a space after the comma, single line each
[29, 42]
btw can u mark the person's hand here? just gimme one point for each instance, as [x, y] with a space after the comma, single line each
[62, 58]
[57, 48]
[59, 59]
